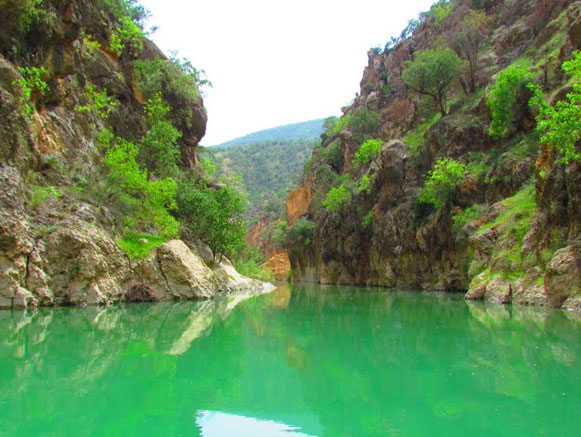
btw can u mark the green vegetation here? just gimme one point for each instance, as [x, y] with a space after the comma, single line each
[279, 234]
[158, 149]
[98, 102]
[302, 230]
[270, 170]
[362, 123]
[248, 263]
[440, 11]
[466, 216]
[560, 125]
[432, 73]
[40, 194]
[138, 246]
[31, 86]
[504, 96]
[151, 201]
[415, 139]
[215, 216]
[366, 183]
[442, 181]
[369, 151]
[512, 225]
[337, 198]
[467, 43]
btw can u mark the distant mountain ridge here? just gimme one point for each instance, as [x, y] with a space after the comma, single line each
[297, 131]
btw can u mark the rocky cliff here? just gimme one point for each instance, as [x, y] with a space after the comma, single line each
[69, 74]
[509, 229]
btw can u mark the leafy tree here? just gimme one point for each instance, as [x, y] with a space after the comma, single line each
[303, 230]
[336, 198]
[442, 181]
[158, 148]
[151, 201]
[504, 97]
[369, 151]
[560, 125]
[467, 43]
[432, 73]
[280, 234]
[215, 216]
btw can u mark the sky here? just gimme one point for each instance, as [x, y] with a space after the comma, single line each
[275, 62]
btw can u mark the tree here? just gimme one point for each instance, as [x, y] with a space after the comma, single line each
[467, 43]
[215, 216]
[432, 73]
[158, 149]
[560, 125]
[442, 181]
[368, 151]
[505, 96]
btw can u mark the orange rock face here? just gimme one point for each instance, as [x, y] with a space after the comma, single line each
[259, 236]
[278, 264]
[298, 202]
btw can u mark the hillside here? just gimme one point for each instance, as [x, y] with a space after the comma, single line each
[99, 135]
[269, 169]
[457, 166]
[298, 131]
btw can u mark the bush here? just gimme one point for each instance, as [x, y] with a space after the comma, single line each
[336, 198]
[158, 149]
[366, 183]
[215, 216]
[31, 86]
[466, 216]
[560, 125]
[432, 73]
[442, 181]
[150, 201]
[279, 235]
[303, 230]
[98, 102]
[503, 97]
[362, 123]
[368, 151]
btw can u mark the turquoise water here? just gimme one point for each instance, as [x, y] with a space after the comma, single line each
[301, 361]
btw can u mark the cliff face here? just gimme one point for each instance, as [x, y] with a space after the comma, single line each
[512, 224]
[58, 218]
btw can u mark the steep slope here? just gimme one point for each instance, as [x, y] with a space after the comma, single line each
[436, 201]
[96, 126]
[297, 131]
[269, 170]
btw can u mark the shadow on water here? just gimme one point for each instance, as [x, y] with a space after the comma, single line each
[303, 360]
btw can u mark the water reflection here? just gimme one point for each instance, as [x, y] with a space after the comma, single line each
[328, 360]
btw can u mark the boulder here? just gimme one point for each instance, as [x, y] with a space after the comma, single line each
[563, 277]
[185, 274]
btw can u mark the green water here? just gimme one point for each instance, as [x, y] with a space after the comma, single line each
[300, 361]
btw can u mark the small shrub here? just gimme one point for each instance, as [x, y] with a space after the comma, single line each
[367, 221]
[31, 86]
[337, 198]
[279, 235]
[560, 125]
[442, 181]
[503, 97]
[466, 216]
[366, 183]
[369, 151]
[40, 194]
[303, 230]
[98, 102]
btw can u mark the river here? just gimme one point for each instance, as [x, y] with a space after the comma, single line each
[301, 361]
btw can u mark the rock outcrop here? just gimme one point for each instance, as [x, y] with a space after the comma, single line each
[509, 231]
[59, 220]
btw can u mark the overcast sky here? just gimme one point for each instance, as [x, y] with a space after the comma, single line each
[274, 62]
